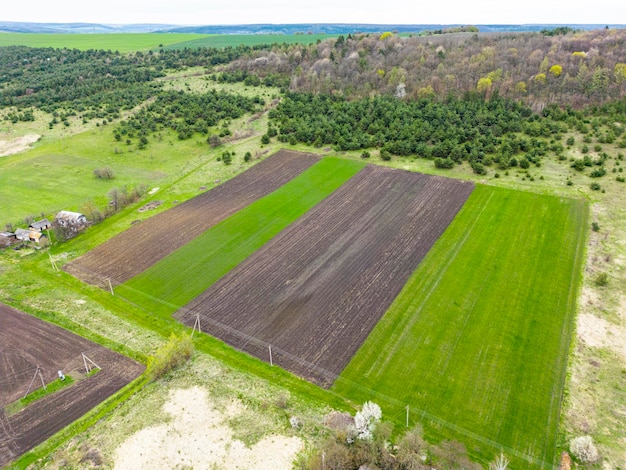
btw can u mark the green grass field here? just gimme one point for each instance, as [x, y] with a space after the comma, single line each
[127, 42]
[232, 40]
[477, 342]
[190, 270]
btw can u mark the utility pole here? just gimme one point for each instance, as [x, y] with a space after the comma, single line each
[271, 361]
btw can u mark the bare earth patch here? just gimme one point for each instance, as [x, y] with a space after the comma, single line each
[599, 333]
[198, 436]
[17, 145]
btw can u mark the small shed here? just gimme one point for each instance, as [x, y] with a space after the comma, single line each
[74, 220]
[40, 225]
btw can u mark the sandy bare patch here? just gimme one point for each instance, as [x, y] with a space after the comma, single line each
[17, 145]
[599, 333]
[197, 436]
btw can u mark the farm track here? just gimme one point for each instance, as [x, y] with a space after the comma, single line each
[27, 342]
[136, 249]
[317, 289]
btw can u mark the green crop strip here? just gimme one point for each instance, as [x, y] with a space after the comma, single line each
[180, 277]
[476, 343]
[128, 42]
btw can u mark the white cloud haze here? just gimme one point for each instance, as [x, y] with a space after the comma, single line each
[197, 12]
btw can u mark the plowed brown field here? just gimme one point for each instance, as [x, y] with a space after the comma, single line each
[316, 290]
[25, 343]
[136, 249]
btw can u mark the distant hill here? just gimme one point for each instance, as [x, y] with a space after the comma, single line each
[80, 28]
[306, 28]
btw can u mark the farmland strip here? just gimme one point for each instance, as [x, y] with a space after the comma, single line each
[316, 290]
[142, 245]
[478, 339]
[186, 273]
[27, 342]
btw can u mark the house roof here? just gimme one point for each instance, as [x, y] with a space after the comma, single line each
[22, 234]
[68, 215]
[41, 224]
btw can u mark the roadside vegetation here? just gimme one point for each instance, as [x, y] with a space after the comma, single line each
[541, 113]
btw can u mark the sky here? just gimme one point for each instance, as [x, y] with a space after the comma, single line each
[212, 12]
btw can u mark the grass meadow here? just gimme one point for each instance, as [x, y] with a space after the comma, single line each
[180, 277]
[220, 41]
[125, 42]
[476, 344]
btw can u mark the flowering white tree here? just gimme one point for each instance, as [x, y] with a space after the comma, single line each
[366, 419]
[584, 449]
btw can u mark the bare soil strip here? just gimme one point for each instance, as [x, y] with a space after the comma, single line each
[135, 250]
[27, 342]
[316, 290]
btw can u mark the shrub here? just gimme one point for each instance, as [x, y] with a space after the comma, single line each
[595, 186]
[227, 158]
[265, 139]
[104, 173]
[445, 163]
[598, 172]
[171, 355]
[385, 155]
[601, 280]
[595, 226]
[478, 168]
[583, 449]
[365, 154]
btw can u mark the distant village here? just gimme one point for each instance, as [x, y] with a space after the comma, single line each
[66, 222]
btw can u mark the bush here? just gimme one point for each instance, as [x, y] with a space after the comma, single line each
[598, 172]
[171, 355]
[478, 168]
[227, 158]
[104, 173]
[445, 163]
[595, 226]
[601, 280]
[265, 139]
[583, 449]
[365, 154]
[385, 155]
[595, 186]
[247, 157]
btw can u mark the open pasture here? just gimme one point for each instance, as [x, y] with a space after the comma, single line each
[135, 250]
[316, 290]
[220, 41]
[477, 341]
[27, 343]
[124, 42]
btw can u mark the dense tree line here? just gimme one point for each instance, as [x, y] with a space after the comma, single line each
[459, 129]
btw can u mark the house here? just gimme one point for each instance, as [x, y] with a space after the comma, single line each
[30, 235]
[73, 220]
[41, 225]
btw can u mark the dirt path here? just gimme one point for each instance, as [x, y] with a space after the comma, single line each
[17, 145]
